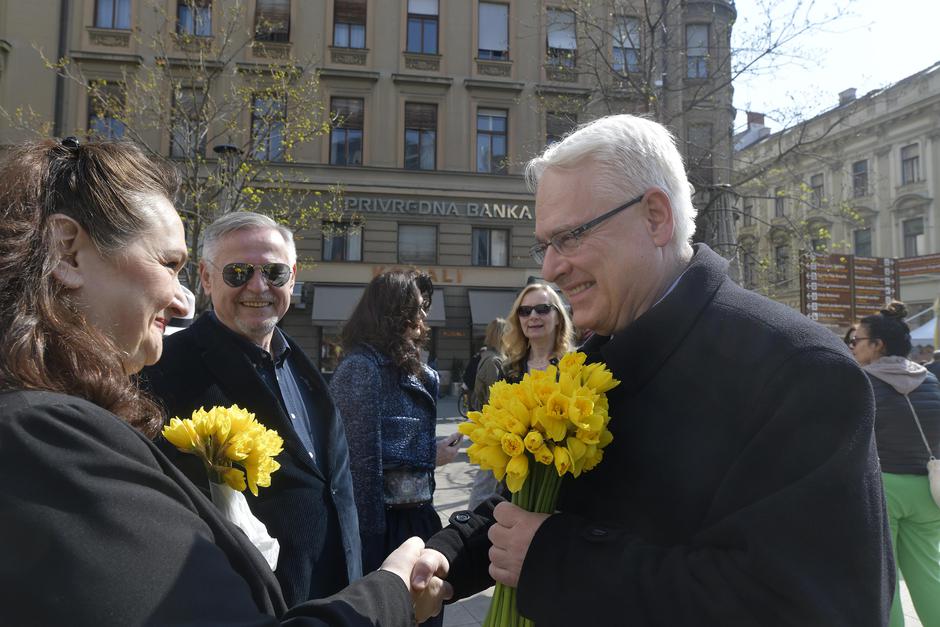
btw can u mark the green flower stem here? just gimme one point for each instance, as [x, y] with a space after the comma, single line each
[539, 494]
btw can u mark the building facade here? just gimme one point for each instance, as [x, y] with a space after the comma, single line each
[859, 179]
[436, 105]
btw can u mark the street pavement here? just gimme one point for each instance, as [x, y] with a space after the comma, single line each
[451, 494]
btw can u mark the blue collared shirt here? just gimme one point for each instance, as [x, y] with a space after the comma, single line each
[278, 373]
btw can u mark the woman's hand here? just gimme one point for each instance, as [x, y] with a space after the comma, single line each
[447, 447]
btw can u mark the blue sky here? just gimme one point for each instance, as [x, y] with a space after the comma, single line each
[874, 44]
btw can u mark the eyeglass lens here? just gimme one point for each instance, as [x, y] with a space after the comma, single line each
[237, 274]
[525, 310]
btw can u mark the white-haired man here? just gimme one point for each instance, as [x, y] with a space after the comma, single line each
[742, 485]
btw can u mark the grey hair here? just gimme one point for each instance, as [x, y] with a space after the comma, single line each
[633, 154]
[240, 221]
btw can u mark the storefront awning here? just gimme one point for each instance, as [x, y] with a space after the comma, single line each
[485, 305]
[436, 317]
[333, 304]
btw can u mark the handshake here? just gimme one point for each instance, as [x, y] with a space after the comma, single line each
[423, 571]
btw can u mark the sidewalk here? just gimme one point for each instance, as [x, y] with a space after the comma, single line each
[450, 495]
[453, 489]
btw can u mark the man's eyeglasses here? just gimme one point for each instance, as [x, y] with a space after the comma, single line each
[525, 311]
[569, 241]
[856, 340]
[237, 274]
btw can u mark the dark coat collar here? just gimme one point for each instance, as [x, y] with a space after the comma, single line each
[636, 353]
[234, 372]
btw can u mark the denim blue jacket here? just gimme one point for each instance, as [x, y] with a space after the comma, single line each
[390, 420]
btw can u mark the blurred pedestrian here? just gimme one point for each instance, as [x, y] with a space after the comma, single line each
[489, 371]
[907, 433]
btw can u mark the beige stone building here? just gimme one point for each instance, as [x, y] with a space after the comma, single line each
[440, 103]
[859, 179]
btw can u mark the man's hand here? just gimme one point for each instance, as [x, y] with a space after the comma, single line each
[402, 560]
[447, 447]
[511, 536]
[428, 588]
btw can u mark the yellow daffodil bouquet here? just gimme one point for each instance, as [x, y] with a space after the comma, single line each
[223, 438]
[532, 434]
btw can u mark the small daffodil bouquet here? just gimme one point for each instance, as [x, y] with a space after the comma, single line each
[238, 452]
[225, 436]
[532, 433]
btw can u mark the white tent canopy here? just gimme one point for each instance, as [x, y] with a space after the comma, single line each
[923, 334]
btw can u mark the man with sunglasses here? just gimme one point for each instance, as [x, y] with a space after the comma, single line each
[236, 355]
[742, 485]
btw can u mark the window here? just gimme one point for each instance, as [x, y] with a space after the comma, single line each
[696, 50]
[422, 26]
[817, 190]
[914, 238]
[194, 17]
[188, 129]
[862, 242]
[420, 136]
[626, 44]
[699, 154]
[750, 268]
[342, 241]
[562, 45]
[267, 127]
[349, 24]
[272, 20]
[910, 164]
[490, 247]
[557, 125]
[748, 215]
[105, 110]
[493, 40]
[491, 141]
[113, 14]
[417, 243]
[860, 178]
[780, 199]
[782, 263]
[346, 135]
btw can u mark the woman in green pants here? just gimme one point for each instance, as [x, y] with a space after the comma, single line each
[907, 405]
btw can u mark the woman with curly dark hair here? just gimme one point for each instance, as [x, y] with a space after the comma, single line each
[387, 399]
[99, 527]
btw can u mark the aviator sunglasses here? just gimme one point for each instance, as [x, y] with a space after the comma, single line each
[237, 274]
[525, 311]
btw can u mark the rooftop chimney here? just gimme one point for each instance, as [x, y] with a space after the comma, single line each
[753, 117]
[847, 96]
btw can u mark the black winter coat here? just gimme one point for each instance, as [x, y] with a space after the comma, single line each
[307, 503]
[101, 530]
[741, 487]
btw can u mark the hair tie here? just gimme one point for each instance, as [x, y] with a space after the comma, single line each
[71, 142]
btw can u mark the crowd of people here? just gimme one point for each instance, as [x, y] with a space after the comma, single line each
[758, 474]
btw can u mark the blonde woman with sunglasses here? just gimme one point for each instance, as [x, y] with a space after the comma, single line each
[539, 331]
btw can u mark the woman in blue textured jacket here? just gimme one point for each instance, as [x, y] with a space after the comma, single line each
[387, 399]
[881, 344]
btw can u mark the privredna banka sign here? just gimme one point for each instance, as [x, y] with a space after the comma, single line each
[443, 208]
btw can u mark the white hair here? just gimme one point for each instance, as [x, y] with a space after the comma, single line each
[633, 154]
[240, 221]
